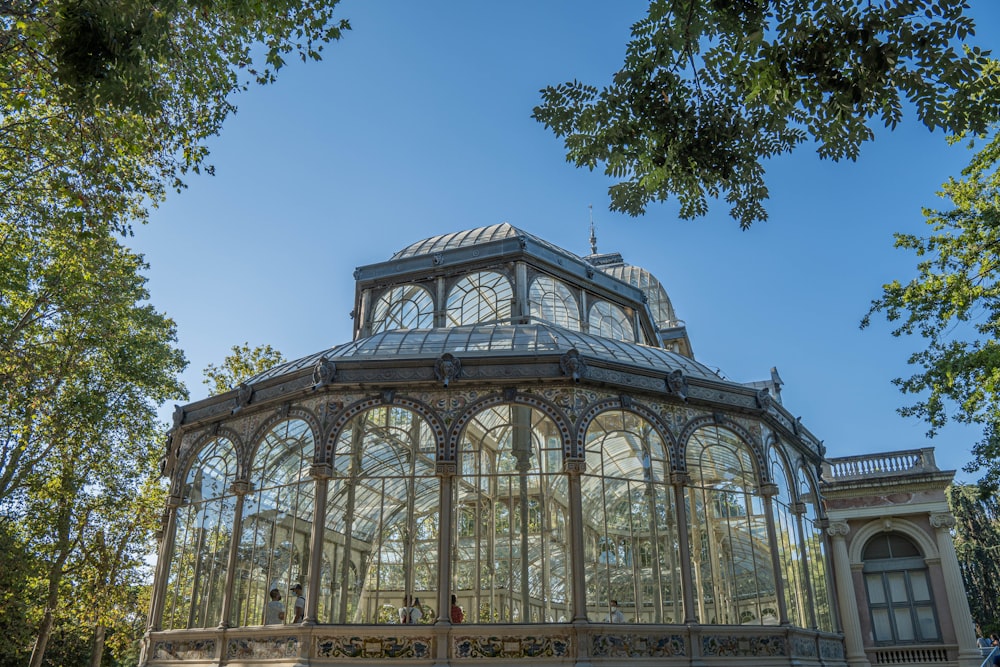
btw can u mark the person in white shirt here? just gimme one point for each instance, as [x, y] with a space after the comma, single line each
[274, 612]
[616, 615]
[300, 604]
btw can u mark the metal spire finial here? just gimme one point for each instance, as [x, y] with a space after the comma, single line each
[593, 236]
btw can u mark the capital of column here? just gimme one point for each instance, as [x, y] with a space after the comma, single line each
[174, 501]
[680, 478]
[446, 468]
[241, 487]
[943, 520]
[838, 529]
[321, 470]
[768, 490]
[798, 508]
[575, 466]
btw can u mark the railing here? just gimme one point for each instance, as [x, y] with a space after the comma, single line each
[879, 465]
[989, 654]
[914, 655]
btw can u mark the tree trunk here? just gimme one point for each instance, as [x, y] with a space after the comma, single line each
[55, 578]
[98, 650]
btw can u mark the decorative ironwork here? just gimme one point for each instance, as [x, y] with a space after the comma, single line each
[572, 364]
[324, 372]
[448, 367]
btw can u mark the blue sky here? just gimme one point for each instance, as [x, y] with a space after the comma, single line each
[418, 123]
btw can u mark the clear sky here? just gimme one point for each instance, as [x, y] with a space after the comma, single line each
[418, 123]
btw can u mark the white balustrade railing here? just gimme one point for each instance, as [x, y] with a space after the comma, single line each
[880, 465]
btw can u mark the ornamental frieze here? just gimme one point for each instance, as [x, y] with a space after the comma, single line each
[831, 649]
[188, 649]
[262, 648]
[373, 647]
[511, 647]
[644, 645]
[743, 646]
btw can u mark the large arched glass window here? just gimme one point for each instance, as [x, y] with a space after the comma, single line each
[791, 553]
[551, 301]
[731, 561]
[899, 592]
[815, 552]
[197, 578]
[403, 307]
[480, 298]
[277, 522]
[630, 526]
[380, 542]
[609, 321]
[510, 559]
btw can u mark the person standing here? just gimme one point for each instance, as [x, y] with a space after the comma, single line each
[457, 615]
[274, 612]
[416, 613]
[404, 611]
[300, 604]
[616, 615]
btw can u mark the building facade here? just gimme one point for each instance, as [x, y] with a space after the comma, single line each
[518, 457]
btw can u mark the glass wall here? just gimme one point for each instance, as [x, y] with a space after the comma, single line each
[731, 561]
[277, 522]
[552, 301]
[630, 525]
[510, 561]
[610, 321]
[815, 552]
[380, 541]
[197, 576]
[790, 548]
[404, 307]
[480, 297]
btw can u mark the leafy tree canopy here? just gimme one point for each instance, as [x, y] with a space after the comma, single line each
[711, 88]
[104, 106]
[241, 365]
[953, 303]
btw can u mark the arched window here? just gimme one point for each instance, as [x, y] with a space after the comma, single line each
[731, 560]
[551, 301]
[630, 538]
[480, 298]
[511, 564]
[791, 553]
[815, 552]
[380, 542]
[403, 307]
[197, 577]
[610, 321]
[899, 591]
[277, 522]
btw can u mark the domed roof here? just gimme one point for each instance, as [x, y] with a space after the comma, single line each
[495, 340]
[657, 299]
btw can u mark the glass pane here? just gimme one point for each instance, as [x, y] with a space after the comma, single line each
[881, 625]
[897, 586]
[925, 620]
[876, 593]
[904, 625]
[918, 582]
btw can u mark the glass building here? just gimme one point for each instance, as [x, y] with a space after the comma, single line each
[517, 457]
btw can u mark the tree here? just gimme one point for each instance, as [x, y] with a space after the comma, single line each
[106, 106]
[977, 543]
[241, 365]
[954, 305]
[710, 89]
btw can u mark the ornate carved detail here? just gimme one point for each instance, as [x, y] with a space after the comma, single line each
[324, 372]
[590, 272]
[438, 259]
[838, 529]
[638, 646]
[191, 649]
[268, 647]
[680, 478]
[373, 647]
[748, 646]
[943, 520]
[522, 241]
[887, 524]
[572, 365]
[626, 401]
[768, 490]
[506, 647]
[575, 465]
[283, 410]
[448, 367]
[243, 395]
[388, 396]
[240, 487]
[677, 384]
[446, 468]
[321, 471]
[764, 399]
[178, 415]
[718, 418]
[509, 393]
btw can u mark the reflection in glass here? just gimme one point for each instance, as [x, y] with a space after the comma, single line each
[197, 575]
[815, 552]
[730, 557]
[610, 321]
[630, 526]
[510, 559]
[277, 522]
[381, 536]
